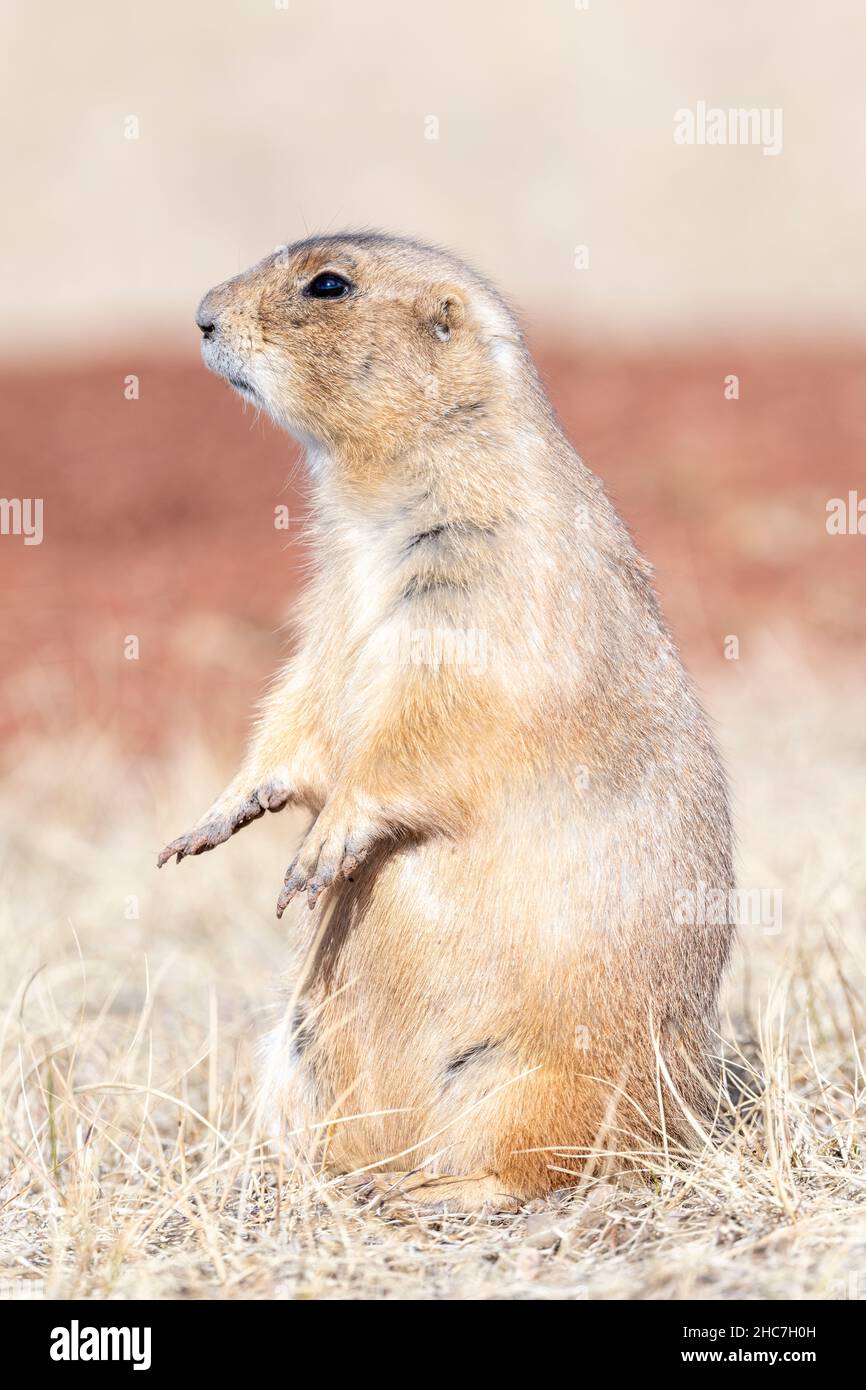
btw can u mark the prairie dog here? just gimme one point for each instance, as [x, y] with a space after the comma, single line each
[512, 786]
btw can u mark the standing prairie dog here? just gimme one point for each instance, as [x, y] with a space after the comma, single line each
[512, 785]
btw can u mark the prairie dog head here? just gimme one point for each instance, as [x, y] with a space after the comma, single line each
[357, 343]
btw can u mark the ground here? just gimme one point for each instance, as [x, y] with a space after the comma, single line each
[133, 1002]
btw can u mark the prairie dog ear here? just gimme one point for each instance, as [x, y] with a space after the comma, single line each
[441, 309]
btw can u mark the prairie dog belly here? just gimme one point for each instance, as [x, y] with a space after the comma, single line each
[461, 973]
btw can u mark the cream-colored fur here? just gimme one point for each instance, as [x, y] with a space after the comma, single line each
[510, 778]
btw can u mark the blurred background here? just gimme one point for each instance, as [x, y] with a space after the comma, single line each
[159, 149]
[698, 312]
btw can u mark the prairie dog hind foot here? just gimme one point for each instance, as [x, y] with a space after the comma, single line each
[388, 1191]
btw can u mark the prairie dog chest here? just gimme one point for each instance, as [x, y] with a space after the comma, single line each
[367, 575]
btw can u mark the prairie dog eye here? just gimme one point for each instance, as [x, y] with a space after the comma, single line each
[328, 285]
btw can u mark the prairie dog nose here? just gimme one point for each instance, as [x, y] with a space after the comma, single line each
[206, 318]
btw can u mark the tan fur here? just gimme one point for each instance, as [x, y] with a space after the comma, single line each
[492, 970]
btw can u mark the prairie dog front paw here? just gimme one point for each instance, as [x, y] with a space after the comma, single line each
[231, 812]
[340, 840]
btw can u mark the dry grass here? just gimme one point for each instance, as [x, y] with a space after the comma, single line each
[132, 1003]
